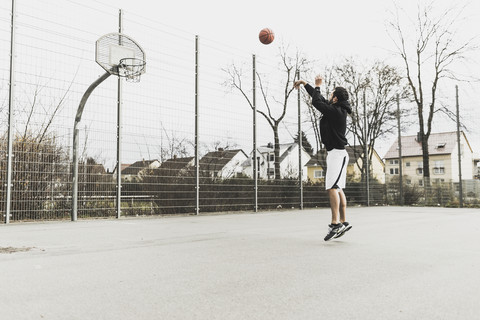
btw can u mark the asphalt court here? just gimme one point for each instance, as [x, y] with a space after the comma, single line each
[395, 263]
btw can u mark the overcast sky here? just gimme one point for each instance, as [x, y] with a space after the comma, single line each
[323, 30]
[320, 28]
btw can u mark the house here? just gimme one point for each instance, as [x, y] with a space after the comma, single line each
[135, 171]
[476, 167]
[443, 150]
[122, 166]
[377, 166]
[222, 163]
[316, 165]
[176, 167]
[288, 162]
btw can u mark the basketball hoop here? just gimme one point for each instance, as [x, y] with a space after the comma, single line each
[120, 55]
[131, 69]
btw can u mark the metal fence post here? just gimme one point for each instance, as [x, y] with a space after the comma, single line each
[254, 156]
[300, 146]
[400, 162]
[10, 116]
[197, 164]
[460, 184]
[119, 129]
[75, 174]
[367, 171]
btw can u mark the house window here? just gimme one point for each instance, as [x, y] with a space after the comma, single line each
[318, 174]
[271, 171]
[408, 181]
[271, 157]
[394, 161]
[393, 171]
[439, 167]
[420, 182]
[420, 167]
[407, 164]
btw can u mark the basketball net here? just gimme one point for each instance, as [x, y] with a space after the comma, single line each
[131, 69]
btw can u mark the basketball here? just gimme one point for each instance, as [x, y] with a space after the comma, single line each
[266, 36]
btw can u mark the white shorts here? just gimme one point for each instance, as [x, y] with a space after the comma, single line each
[336, 177]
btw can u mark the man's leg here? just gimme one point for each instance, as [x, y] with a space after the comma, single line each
[335, 201]
[335, 227]
[342, 205]
[343, 210]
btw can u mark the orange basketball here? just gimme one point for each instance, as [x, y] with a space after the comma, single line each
[266, 36]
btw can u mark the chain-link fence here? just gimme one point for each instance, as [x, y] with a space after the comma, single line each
[190, 139]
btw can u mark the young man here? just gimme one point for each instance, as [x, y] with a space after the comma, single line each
[333, 126]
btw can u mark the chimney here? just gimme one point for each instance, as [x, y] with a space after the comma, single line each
[419, 138]
[270, 145]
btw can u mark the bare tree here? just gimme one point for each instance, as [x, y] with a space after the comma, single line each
[373, 90]
[40, 169]
[428, 60]
[313, 115]
[290, 64]
[173, 146]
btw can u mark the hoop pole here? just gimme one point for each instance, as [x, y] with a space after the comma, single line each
[10, 116]
[78, 117]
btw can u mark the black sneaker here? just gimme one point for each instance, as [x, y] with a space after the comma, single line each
[347, 226]
[333, 230]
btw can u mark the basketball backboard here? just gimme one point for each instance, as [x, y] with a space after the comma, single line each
[114, 50]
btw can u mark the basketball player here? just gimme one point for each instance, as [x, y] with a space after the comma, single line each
[333, 125]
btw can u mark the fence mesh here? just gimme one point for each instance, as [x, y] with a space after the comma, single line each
[55, 64]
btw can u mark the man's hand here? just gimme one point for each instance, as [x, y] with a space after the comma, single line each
[297, 83]
[318, 80]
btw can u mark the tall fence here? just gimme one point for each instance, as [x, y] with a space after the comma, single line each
[187, 129]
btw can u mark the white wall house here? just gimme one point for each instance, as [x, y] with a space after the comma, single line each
[289, 159]
[223, 164]
[137, 170]
[443, 150]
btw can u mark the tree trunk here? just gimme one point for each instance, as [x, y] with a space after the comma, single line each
[277, 152]
[426, 167]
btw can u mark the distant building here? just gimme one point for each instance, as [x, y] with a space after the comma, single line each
[135, 171]
[443, 151]
[316, 165]
[288, 162]
[175, 167]
[476, 167]
[223, 164]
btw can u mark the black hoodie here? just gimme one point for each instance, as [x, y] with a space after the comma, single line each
[333, 123]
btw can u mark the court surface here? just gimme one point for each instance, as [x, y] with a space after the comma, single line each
[395, 263]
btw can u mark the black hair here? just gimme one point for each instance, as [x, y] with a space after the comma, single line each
[341, 93]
